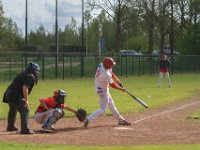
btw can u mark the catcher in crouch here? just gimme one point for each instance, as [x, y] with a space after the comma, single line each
[51, 110]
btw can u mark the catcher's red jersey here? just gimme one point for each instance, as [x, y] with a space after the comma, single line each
[50, 102]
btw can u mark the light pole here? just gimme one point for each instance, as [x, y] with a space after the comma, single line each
[26, 25]
[56, 27]
[100, 36]
[82, 40]
[56, 36]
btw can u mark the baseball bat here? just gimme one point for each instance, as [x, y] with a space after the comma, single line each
[138, 100]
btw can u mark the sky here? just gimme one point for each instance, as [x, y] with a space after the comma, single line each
[42, 12]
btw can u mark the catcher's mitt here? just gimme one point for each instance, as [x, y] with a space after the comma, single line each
[81, 114]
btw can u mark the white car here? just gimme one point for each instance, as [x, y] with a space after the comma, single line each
[129, 53]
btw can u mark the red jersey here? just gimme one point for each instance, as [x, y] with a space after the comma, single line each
[50, 102]
[164, 70]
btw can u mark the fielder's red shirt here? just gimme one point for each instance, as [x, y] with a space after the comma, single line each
[163, 70]
[50, 102]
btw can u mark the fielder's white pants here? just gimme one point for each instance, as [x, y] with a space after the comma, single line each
[41, 117]
[161, 76]
[105, 101]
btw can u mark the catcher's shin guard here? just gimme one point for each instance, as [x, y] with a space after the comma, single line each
[57, 114]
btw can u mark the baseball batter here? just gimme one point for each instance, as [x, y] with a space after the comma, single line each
[104, 78]
[164, 65]
[50, 110]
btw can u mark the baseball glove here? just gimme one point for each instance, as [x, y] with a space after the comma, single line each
[81, 114]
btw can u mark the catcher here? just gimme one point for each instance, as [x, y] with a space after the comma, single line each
[51, 110]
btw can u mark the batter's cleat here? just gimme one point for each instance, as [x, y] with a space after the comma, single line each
[11, 129]
[86, 122]
[124, 123]
[46, 130]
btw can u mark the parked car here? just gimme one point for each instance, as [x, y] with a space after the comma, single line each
[156, 53]
[168, 52]
[130, 53]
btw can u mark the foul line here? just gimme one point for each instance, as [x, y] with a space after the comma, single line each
[165, 112]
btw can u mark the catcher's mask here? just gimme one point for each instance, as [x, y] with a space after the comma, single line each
[108, 63]
[59, 96]
[34, 69]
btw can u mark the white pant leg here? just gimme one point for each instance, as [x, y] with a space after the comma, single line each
[43, 116]
[160, 79]
[104, 99]
[113, 109]
[168, 79]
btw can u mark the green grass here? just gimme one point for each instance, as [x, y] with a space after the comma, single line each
[81, 92]
[6, 146]
[194, 115]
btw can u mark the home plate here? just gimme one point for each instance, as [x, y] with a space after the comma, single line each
[123, 128]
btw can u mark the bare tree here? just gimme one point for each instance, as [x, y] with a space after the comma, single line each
[147, 12]
[162, 19]
[116, 9]
[194, 11]
[182, 11]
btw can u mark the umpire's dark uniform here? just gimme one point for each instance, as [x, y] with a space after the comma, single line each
[14, 96]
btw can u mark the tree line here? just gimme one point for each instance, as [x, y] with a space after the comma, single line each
[143, 25]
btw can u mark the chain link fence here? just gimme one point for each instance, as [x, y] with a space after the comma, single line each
[69, 65]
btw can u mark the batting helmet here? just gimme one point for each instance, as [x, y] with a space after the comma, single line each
[59, 96]
[108, 63]
[34, 69]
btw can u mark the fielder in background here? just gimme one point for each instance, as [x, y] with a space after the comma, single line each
[164, 65]
[16, 95]
[103, 79]
[51, 110]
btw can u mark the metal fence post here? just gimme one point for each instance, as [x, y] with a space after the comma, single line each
[139, 66]
[63, 56]
[10, 67]
[70, 69]
[43, 75]
[56, 65]
[132, 65]
[82, 65]
[126, 66]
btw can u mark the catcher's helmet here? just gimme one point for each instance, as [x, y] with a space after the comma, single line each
[59, 96]
[34, 69]
[108, 63]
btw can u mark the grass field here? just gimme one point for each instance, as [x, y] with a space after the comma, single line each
[81, 94]
[6, 146]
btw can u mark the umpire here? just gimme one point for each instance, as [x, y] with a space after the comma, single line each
[16, 95]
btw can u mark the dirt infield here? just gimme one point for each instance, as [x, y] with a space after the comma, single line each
[163, 125]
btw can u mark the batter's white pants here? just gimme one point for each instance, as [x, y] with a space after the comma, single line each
[105, 101]
[161, 76]
[41, 117]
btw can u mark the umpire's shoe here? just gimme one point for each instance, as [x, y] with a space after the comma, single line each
[86, 122]
[28, 132]
[11, 129]
[124, 123]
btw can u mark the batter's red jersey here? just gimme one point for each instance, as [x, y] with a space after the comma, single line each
[50, 102]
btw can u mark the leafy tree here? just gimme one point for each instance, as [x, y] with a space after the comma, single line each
[38, 38]
[191, 41]
[70, 35]
[10, 35]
